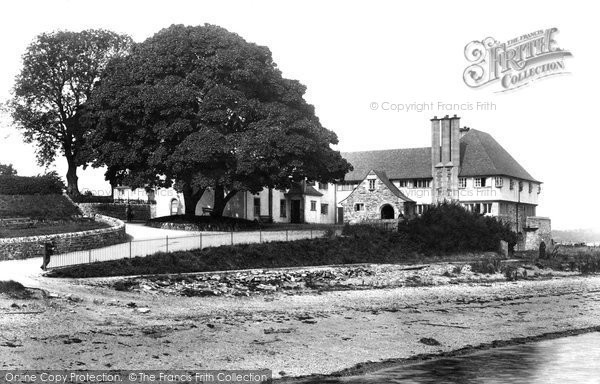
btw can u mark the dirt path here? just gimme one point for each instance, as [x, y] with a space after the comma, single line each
[85, 327]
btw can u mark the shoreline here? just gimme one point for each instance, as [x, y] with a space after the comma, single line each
[373, 366]
[298, 334]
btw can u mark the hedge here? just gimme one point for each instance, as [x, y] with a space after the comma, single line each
[49, 184]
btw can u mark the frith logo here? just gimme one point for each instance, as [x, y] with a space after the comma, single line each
[515, 63]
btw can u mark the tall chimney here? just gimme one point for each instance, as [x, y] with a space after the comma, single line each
[446, 140]
[455, 140]
[435, 141]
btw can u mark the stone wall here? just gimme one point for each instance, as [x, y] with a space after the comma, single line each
[372, 200]
[33, 246]
[537, 229]
[141, 212]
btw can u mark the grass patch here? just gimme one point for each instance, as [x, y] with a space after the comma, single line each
[384, 248]
[38, 207]
[41, 229]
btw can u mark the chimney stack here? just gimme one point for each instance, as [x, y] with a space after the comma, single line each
[435, 141]
[455, 140]
[446, 143]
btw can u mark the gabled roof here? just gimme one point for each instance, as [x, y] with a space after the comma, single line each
[404, 163]
[480, 154]
[308, 190]
[383, 177]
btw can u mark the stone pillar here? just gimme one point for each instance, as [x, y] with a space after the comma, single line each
[445, 140]
[435, 141]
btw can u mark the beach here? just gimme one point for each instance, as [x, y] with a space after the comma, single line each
[87, 324]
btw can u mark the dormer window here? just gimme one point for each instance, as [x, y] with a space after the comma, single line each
[530, 187]
[480, 182]
[462, 182]
[371, 184]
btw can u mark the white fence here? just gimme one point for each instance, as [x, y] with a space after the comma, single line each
[147, 247]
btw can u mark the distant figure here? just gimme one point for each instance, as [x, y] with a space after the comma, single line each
[129, 213]
[542, 250]
[49, 248]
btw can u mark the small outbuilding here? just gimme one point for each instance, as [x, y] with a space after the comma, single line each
[376, 198]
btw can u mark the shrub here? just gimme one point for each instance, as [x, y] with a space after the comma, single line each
[48, 184]
[449, 227]
[205, 223]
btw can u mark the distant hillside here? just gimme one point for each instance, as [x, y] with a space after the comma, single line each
[41, 207]
[576, 236]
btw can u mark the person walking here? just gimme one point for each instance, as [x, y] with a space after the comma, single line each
[129, 213]
[542, 250]
[49, 248]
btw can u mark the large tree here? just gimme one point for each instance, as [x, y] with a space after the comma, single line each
[204, 108]
[7, 170]
[58, 75]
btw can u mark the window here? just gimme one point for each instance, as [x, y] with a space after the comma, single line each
[421, 183]
[520, 186]
[323, 186]
[512, 184]
[403, 184]
[487, 207]
[346, 186]
[499, 181]
[324, 209]
[462, 182]
[282, 208]
[371, 184]
[480, 182]
[422, 208]
[313, 205]
[530, 187]
[359, 207]
[256, 206]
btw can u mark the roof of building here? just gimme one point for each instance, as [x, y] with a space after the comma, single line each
[404, 163]
[480, 154]
[298, 190]
[385, 180]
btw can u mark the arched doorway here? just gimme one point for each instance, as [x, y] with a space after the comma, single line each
[174, 207]
[387, 212]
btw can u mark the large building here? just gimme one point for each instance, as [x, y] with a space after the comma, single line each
[464, 165]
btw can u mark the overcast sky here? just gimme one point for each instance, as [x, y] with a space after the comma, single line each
[353, 54]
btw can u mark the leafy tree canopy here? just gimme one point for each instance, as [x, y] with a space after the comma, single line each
[7, 170]
[58, 75]
[202, 106]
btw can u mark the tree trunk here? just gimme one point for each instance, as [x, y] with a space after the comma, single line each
[72, 187]
[191, 199]
[221, 200]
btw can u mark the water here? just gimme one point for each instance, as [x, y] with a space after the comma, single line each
[567, 360]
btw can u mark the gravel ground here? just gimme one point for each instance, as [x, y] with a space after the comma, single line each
[75, 324]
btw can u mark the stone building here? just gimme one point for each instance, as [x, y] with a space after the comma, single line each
[376, 198]
[462, 164]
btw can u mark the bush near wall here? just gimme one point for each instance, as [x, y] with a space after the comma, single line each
[141, 212]
[203, 223]
[37, 185]
[449, 227]
[37, 207]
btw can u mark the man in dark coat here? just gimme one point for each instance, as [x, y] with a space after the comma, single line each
[49, 249]
[542, 250]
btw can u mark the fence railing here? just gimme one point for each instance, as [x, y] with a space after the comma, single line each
[199, 240]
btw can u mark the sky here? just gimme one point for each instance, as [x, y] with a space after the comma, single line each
[358, 58]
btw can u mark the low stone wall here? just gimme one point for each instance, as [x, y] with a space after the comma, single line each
[141, 212]
[33, 246]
